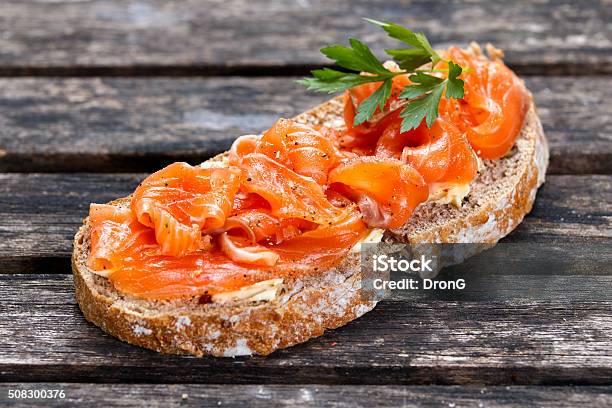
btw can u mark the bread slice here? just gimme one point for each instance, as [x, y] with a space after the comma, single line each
[305, 307]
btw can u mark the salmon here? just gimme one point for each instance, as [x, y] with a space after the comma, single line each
[180, 201]
[204, 273]
[300, 148]
[127, 252]
[115, 235]
[259, 225]
[492, 111]
[442, 153]
[315, 249]
[392, 141]
[289, 194]
[244, 201]
[158, 277]
[323, 247]
[243, 250]
[386, 190]
[229, 227]
[366, 134]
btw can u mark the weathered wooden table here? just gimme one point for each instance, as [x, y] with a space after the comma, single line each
[94, 94]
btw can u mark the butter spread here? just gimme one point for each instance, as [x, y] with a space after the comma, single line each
[260, 291]
[448, 193]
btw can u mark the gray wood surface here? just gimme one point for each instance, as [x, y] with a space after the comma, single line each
[560, 342]
[211, 395]
[141, 124]
[41, 213]
[192, 36]
[552, 332]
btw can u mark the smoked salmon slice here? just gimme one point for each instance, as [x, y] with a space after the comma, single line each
[181, 202]
[260, 225]
[127, 252]
[209, 272]
[158, 277]
[492, 111]
[490, 115]
[442, 154]
[289, 194]
[386, 190]
[230, 226]
[300, 148]
[392, 141]
[115, 235]
[366, 134]
[322, 247]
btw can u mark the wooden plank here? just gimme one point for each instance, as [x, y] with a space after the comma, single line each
[195, 37]
[177, 395]
[41, 235]
[572, 113]
[140, 124]
[135, 124]
[559, 342]
[41, 213]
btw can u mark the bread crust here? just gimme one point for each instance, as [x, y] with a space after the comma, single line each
[309, 306]
[303, 311]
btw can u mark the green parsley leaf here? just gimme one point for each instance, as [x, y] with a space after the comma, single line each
[423, 83]
[332, 81]
[454, 88]
[357, 58]
[423, 97]
[425, 79]
[376, 100]
[425, 107]
[328, 74]
[428, 89]
[417, 40]
[410, 59]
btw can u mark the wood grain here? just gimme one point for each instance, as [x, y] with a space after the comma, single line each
[41, 213]
[560, 342]
[114, 125]
[239, 36]
[177, 395]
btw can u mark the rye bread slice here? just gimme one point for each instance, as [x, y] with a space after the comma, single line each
[499, 199]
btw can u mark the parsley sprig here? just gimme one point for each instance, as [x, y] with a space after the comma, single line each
[422, 97]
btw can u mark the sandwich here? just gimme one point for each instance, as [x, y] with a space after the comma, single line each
[258, 248]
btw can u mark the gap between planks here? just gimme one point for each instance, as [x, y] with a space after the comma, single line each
[207, 71]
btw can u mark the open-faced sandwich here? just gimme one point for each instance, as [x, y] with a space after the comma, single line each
[258, 248]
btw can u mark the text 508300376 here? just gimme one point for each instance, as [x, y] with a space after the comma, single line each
[36, 394]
